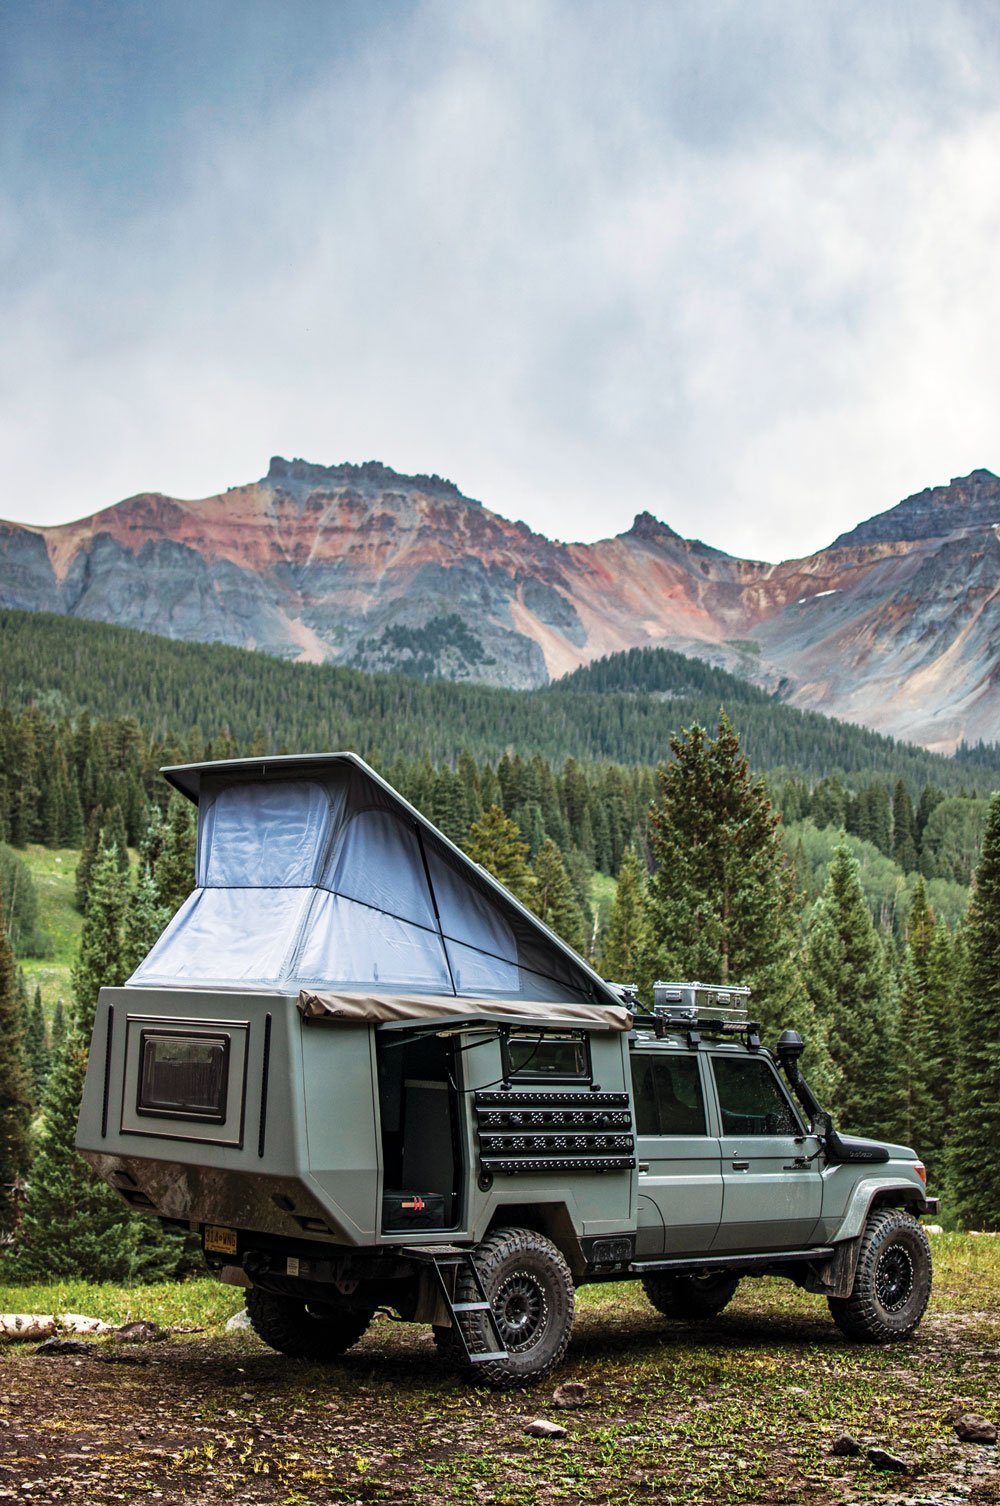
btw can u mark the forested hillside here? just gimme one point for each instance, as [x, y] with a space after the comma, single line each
[177, 690]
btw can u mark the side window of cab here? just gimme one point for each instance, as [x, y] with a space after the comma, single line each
[667, 1095]
[751, 1099]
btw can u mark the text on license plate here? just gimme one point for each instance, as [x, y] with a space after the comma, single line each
[222, 1241]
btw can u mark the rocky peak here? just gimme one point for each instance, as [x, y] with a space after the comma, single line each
[971, 501]
[649, 529]
[371, 476]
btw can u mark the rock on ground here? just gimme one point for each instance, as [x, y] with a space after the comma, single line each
[570, 1395]
[541, 1427]
[972, 1428]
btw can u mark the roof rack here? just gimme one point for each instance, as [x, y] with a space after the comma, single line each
[697, 1009]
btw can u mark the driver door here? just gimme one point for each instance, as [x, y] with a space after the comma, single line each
[772, 1189]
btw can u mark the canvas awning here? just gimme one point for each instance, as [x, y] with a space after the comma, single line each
[422, 1009]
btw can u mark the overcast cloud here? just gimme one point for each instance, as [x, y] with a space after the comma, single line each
[733, 263]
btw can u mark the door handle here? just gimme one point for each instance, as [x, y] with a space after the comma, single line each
[741, 1165]
[643, 1167]
[799, 1164]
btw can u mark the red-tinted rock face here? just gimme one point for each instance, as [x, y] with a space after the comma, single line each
[896, 625]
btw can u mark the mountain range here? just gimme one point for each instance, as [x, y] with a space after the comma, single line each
[896, 625]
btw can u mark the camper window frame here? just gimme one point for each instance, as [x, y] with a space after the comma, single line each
[541, 1037]
[185, 1111]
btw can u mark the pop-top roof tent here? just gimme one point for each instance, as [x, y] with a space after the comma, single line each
[314, 875]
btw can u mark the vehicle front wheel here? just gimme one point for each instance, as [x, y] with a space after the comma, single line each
[892, 1284]
[305, 1330]
[692, 1298]
[530, 1289]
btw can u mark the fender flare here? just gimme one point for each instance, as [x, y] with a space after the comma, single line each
[835, 1277]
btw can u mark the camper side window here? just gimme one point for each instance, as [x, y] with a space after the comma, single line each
[183, 1075]
[547, 1056]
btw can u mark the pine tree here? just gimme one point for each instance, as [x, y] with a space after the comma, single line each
[15, 1085]
[974, 1172]
[37, 1047]
[173, 869]
[73, 1227]
[904, 829]
[495, 842]
[554, 901]
[924, 1016]
[721, 901]
[626, 940]
[88, 855]
[100, 962]
[144, 921]
[58, 1032]
[846, 975]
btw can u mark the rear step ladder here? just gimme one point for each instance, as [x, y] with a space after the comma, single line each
[443, 1258]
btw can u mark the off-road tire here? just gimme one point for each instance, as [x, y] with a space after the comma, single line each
[307, 1331]
[693, 1298]
[892, 1284]
[531, 1290]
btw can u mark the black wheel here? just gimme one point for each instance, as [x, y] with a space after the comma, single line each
[691, 1298]
[530, 1288]
[305, 1330]
[892, 1284]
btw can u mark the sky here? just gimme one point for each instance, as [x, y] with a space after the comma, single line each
[733, 262]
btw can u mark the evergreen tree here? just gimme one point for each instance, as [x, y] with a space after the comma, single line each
[73, 1227]
[144, 921]
[495, 842]
[37, 1047]
[15, 1085]
[73, 824]
[721, 898]
[930, 799]
[173, 869]
[554, 901]
[19, 900]
[625, 943]
[100, 961]
[846, 975]
[88, 855]
[58, 1032]
[974, 1171]
[904, 830]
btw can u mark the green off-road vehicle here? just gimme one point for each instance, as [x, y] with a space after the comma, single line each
[369, 1079]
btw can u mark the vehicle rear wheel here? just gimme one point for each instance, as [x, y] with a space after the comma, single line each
[691, 1298]
[892, 1284]
[305, 1330]
[530, 1289]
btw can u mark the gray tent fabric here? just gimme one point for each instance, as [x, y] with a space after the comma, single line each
[314, 874]
[379, 1009]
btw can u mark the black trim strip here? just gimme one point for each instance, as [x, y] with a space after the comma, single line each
[583, 1099]
[558, 1164]
[107, 1070]
[518, 1144]
[758, 1261]
[264, 1073]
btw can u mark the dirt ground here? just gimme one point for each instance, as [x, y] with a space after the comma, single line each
[745, 1410]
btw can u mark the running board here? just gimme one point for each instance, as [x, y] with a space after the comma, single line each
[763, 1260]
[441, 1258]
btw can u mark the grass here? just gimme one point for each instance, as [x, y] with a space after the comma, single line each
[204, 1303]
[742, 1410]
[54, 872]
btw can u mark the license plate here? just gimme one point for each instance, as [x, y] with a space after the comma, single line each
[221, 1241]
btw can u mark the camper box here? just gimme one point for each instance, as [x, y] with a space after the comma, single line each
[350, 1037]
